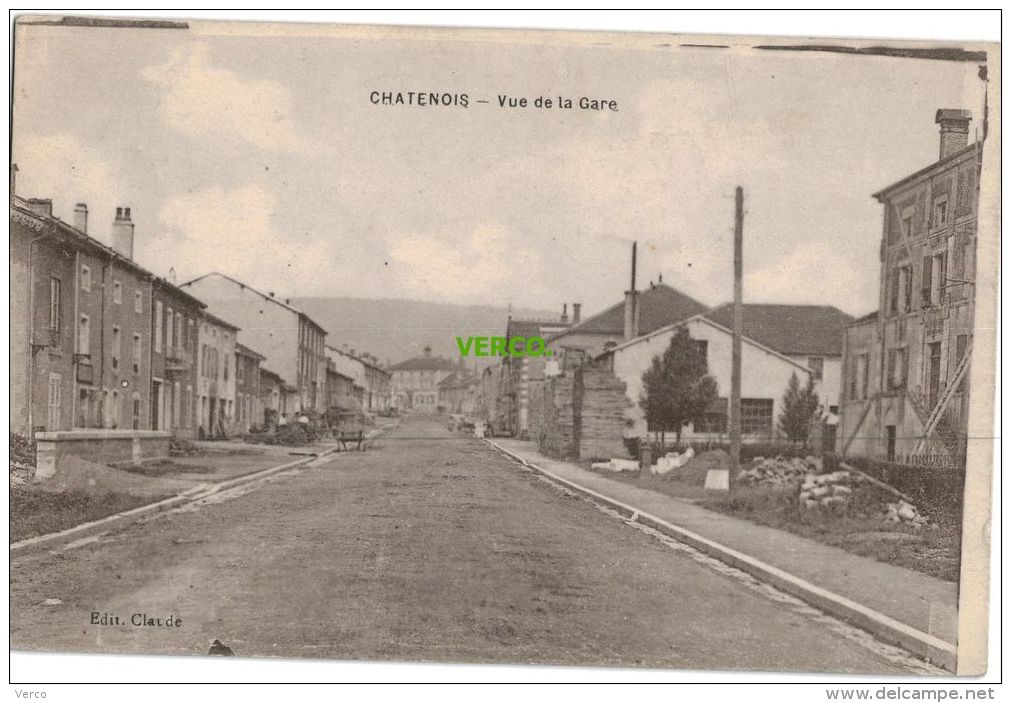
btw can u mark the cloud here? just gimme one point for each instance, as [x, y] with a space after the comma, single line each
[201, 100]
[239, 232]
[479, 267]
[60, 166]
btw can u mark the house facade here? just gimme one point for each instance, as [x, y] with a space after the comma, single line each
[764, 379]
[905, 367]
[216, 377]
[81, 334]
[811, 335]
[518, 372]
[174, 322]
[248, 404]
[291, 343]
[458, 393]
[415, 382]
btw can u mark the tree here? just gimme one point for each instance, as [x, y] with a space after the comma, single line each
[799, 406]
[676, 387]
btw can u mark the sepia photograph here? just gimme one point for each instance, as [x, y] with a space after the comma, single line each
[529, 348]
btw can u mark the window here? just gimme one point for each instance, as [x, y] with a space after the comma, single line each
[55, 402]
[137, 353]
[179, 330]
[136, 408]
[715, 420]
[226, 367]
[756, 416]
[702, 346]
[117, 346]
[54, 304]
[138, 301]
[191, 336]
[941, 211]
[898, 366]
[817, 366]
[85, 278]
[114, 410]
[157, 326]
[240, 370]
[117, 292]
[169, 327]
[84, 336]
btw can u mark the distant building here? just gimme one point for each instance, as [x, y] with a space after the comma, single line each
[290, 341]
[273, 395]
[906, 382]
[518, 372]
[458, 393]
[415, 382]
[248, 404]
[173, 364]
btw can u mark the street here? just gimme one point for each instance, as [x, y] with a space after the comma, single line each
[428, 547]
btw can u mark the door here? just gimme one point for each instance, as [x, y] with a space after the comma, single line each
[155, 405]
[890, 438]
[934, 378]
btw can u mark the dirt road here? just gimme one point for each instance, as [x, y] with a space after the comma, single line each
[428, 547]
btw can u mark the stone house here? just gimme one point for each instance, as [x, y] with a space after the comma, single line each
[248, 403]
[216, 377]
[905, 366]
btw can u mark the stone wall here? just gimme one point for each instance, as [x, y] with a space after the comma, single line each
[104, 446]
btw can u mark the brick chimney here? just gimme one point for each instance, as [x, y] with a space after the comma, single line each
[81, 217]
[122, 233]
[954, 130]
[576, 307]
[40, 206]
[565, 312]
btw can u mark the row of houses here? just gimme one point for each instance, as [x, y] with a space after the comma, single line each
[891, 384]
[99, 342]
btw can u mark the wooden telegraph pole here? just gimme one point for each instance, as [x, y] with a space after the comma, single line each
[735, 369]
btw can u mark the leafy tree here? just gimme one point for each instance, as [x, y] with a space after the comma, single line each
[676, 388]
[799, 406]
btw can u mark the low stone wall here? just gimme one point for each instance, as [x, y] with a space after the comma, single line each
[105, 446]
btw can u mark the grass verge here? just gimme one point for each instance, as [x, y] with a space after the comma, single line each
[35, 512]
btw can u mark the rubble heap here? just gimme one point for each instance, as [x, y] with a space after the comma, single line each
[905, 513]
[616, 465]
[22, 460]
[827, 490]
[779, 471]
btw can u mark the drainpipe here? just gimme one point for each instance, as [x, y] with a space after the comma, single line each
[31, 335]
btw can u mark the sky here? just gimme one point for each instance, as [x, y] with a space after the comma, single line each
[255, 151]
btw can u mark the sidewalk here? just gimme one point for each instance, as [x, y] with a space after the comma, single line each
[923, 603]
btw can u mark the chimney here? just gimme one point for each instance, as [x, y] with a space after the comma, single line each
[122, 233]
[40, 206]
[565, 312]
[632, 305]
[81, 217]
[954, 130]
[575, 312]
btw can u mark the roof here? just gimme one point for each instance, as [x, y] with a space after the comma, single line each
[264, 371]
[246, 351]
[425, 363]
[266, 297]
[460, 379]
[790, 329]
[373, 365]
[712, 323]
[659, 306]
[214, 319]
[80, 238]
[940, 163]
[865, 319]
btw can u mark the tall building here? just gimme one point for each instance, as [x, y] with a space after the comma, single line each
[906, 382]
[291, 342]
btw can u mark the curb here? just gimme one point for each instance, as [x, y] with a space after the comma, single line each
[40, 542]
[922, 644]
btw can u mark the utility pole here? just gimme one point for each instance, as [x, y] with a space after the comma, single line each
[735, 368]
